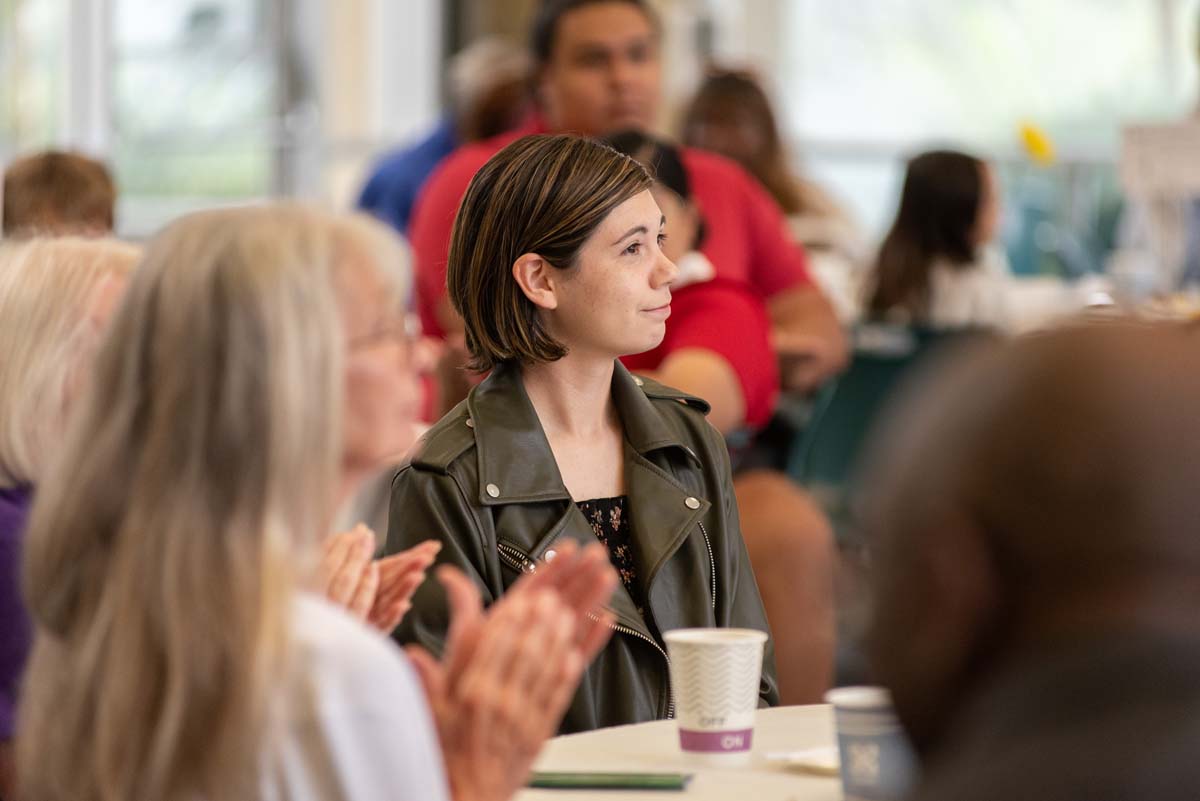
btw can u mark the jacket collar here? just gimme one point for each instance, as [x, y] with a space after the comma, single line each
[515, 461]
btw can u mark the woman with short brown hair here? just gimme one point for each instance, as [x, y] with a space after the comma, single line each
[556, 267]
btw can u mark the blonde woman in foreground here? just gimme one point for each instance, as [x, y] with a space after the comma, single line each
[57, 296]
[257, 362]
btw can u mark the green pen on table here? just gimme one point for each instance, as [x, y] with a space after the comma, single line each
[610, 781]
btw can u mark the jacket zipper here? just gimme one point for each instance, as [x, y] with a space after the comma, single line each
[514, 558]
[712, 565]
[634, 633]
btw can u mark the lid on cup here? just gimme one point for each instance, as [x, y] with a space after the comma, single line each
[714, 636]
[859, 697]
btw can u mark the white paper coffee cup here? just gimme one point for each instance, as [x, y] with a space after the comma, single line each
[715, 677]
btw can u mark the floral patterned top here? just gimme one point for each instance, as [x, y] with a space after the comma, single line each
[610, 524]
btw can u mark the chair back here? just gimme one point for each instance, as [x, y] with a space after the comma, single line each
[824, 458]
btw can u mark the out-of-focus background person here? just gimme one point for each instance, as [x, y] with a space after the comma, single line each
[731, 114]
[1035, 570]
[55, 193]
[937, 266]
[489, 87]
[56, 297]
[718, 346]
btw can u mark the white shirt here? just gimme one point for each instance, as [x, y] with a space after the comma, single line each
[977, 294]
[693, 267]
[354, 724]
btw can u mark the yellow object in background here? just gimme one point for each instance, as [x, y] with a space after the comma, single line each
[1037, 144]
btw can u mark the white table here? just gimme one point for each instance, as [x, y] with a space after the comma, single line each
[654, 747]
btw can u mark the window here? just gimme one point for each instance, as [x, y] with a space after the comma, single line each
[33, 63]
[193, 104]
[912, 70]
[864, 84]
[181, 97]
[192, 85]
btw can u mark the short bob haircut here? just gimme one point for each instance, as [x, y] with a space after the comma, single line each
[46, 286]
[541, 194]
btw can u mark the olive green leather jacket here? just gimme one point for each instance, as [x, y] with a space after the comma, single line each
[485, 483]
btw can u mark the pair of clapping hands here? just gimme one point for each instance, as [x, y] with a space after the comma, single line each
[507, 673]
[376, 591]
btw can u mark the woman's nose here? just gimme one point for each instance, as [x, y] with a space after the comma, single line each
[665, 271]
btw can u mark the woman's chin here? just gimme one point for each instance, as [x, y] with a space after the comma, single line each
[646, 343]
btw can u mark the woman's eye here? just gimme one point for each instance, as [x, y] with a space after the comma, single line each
[634, 249]
[662, 239]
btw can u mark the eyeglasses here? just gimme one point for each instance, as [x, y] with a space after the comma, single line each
[404, 329]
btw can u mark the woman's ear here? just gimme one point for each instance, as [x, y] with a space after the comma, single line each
[536, 279]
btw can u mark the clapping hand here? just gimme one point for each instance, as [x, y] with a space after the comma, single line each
[377, 591]
[507, 675]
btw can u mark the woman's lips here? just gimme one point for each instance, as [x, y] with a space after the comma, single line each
[662, 312]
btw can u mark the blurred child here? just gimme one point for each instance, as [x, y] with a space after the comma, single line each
[718, 347]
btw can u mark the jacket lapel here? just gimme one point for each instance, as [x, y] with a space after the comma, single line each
[662, 511]
[516, 464]
[662, 514]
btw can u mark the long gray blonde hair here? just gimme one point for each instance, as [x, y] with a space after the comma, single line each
[166, 543]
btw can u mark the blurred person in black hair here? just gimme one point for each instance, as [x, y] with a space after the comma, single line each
[937, 266]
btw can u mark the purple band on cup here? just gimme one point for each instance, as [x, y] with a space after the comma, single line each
[715, 742]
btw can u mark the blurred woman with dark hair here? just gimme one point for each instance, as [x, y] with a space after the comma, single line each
[934, 268]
